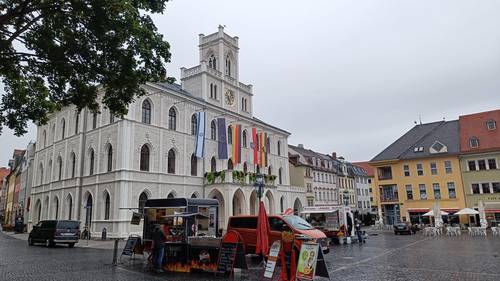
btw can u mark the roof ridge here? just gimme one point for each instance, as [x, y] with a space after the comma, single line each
[441, 123]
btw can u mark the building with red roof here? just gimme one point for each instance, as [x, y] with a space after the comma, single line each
[479, 161]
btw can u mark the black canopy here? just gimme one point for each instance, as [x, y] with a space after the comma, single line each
[180, 202]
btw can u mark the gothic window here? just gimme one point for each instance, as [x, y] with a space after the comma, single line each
[40, 173]
[280, 179]
[146, 112]
[229, 135]
[69, 202]
[244, 138]
[194, 165]
[215, 91]
[228, 65]
[107, 205]
[211, 90]
[111, 117]
[94, 120]
[73, 164]
[279, 148]
[171, 162]
[77, 119]
[213, 130]
[194, 124]
[270, 171]
[172, 119]
[110, 158]
[245, 167]
[60, 168]
[212, 62]
[142, 202]
[144, 164]
[63, 128]
[213, 165]
[230, 165]
[44, 138]
[91, 163]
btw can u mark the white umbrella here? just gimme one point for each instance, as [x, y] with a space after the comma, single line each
[431, 214]
[467, 211]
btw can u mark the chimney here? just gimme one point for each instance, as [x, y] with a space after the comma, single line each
[301, 145]
[334, 155]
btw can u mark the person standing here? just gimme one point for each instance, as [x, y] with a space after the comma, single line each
[159, 239]
[359, 233]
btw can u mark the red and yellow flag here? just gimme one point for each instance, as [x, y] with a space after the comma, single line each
[236, 144]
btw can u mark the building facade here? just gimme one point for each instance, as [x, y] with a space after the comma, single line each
[479, 162]
[362, 186]
[345, 183]
[319, 175]
[370, 172]
[98, 169]
[4, 172]
[418, 170]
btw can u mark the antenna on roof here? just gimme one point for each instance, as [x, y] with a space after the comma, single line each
[420, 118]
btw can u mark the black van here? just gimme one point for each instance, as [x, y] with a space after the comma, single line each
[53, 232]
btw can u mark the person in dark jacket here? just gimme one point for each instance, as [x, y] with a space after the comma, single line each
[359, 233]
[159, 239]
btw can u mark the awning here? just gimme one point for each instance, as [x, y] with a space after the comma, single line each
[319, 211]
[414, 210]
[492, 211]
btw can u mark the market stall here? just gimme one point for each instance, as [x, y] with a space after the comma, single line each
[329, 219]
[192, 242]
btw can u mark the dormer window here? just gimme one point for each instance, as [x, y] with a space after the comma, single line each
[212, 62]
[491, 125]
[474, 142]
[438, 147]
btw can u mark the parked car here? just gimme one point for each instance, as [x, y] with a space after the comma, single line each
[246, 226]
[403, 228]
[52, 232]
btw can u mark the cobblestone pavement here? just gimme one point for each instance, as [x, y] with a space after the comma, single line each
[384, 257]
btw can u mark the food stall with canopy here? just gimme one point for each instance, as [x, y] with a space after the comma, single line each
[193, 242]
[328, 219]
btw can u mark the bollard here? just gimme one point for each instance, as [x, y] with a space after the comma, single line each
[115, 253]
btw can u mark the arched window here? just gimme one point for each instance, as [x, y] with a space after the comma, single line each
[194, 124]
[73, 164]
[491, 125]
[94, 120]
[53, 133]
[77, 120]
[279, 148]
[69, 202]
[49, 171]
[144, 163]
[91, 164]
[211, 90]
[282, 204]
[172, 119]
[228, 65]
[142, 202]
[63, 128]
[194, 165]
[245, 167]
[146, 112]
[171, 162]
[60, 168]
[56, 208]
[230, 135]
[213, 165]
[44, 138]
[244, 138]
[215, 91]
[110, 158]
[242, 104]
[268, 145]
[280, 180]
[111, 117]
[230, 165]
[213, 130]
[107, 205]
[212, 62]
[270, 171]
[40, 173]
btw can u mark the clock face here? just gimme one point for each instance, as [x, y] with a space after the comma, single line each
[229, 98]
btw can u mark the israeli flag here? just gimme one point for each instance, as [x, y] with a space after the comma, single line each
[200, 134]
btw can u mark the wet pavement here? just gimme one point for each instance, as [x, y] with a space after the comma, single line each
[384, 257]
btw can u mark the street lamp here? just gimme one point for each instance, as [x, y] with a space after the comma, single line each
[259, 185]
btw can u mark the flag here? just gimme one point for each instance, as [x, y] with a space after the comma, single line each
[200, 135]
[255, 146]
[236, 144]
[263, 148]
[221, 129]
[268, 149]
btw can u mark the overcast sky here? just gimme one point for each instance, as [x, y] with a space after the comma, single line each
[346, 76]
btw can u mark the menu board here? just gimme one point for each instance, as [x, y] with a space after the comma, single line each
[227, 256]
[272, 259]
[130, 246]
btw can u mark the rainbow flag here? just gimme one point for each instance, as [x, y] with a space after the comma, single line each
[236, 144]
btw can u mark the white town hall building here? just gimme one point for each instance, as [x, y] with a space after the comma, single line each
[96, 168]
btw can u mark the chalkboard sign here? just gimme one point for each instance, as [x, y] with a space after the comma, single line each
[130, 246]
[227, 256]
[321, 268]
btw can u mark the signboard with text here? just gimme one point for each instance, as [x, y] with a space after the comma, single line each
[272, 259]
[306, 268]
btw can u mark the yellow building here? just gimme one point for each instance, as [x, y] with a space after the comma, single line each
[418, 170]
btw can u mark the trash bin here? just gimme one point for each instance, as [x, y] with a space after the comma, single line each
[104, 234]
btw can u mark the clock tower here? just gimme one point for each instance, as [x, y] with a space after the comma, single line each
[216, 78]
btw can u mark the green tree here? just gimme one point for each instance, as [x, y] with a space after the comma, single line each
[55, 53]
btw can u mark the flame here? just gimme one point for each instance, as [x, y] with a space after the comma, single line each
[210, 267]
[177, 267]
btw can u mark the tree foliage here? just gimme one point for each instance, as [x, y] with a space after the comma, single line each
[55, 53]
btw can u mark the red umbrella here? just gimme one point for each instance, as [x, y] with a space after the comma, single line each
[263, 229]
